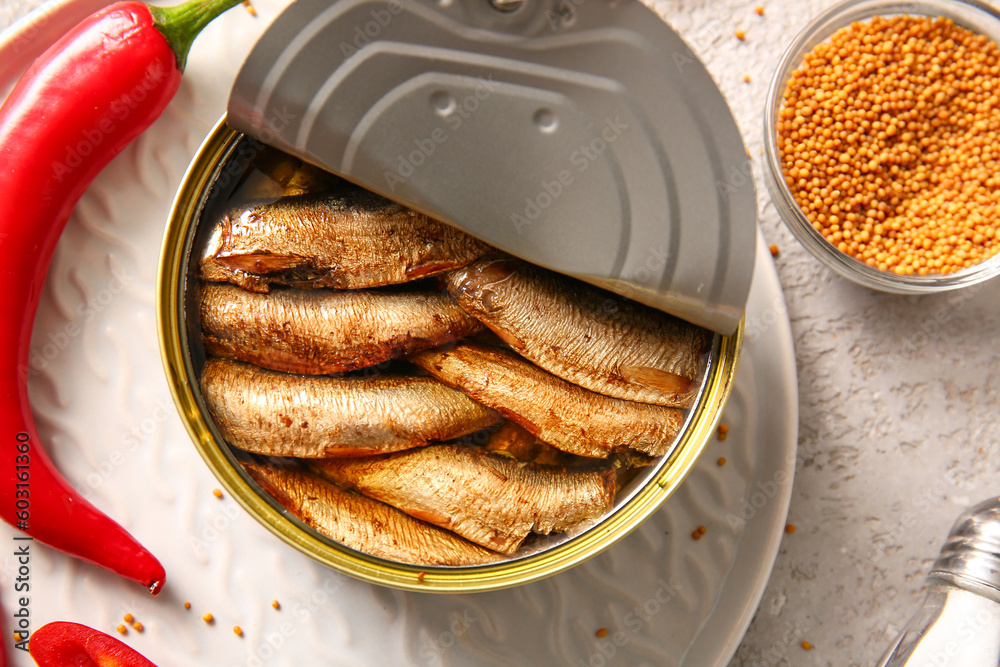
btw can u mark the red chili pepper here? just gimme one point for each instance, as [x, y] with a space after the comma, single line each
[80, 104]
[64, 644]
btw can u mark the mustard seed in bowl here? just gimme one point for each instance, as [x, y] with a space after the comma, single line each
[888, 142]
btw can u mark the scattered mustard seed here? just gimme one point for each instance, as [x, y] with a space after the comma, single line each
[274, 603]
[238, 630]
[603, 632]
[137, 626]
[702, 529]
[723, 431]
[721, 461]
[746, 78]
[887, 139]
[217, 493]
[790, 528]
[187, 605]
[128, 618]
[696, 535]
[250, 8]
[806, 645]
[759, 10]
[121, 629]
[208, 618]
[774, 251]
[740, 35]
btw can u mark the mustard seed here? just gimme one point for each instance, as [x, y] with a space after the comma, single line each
[888, 141]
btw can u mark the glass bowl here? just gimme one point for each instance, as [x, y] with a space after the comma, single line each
[971, 14]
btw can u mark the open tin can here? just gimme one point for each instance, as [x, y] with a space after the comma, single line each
[213, 180]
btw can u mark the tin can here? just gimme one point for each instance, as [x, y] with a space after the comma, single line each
[219, 165]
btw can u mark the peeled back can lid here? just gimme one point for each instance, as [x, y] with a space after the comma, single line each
[580, 135]
[970, 558]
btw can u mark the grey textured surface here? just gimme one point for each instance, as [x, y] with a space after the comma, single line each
[898, 398]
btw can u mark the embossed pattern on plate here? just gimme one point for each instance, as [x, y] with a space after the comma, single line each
[105, 416]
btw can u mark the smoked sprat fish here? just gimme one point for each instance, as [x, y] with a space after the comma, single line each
[278, 414]
[489, 499]
[362, 523]
[315, 332]
[513, 441]
[560, 413]
[583, 334]
[347, 240]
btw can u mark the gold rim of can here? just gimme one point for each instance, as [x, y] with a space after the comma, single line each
[170, 289]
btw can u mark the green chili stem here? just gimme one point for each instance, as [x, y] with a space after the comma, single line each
[180, 24]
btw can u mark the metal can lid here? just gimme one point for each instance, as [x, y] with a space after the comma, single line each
[970, 557]
[585, 137]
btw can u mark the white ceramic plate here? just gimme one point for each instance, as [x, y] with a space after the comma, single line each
[105, 416]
